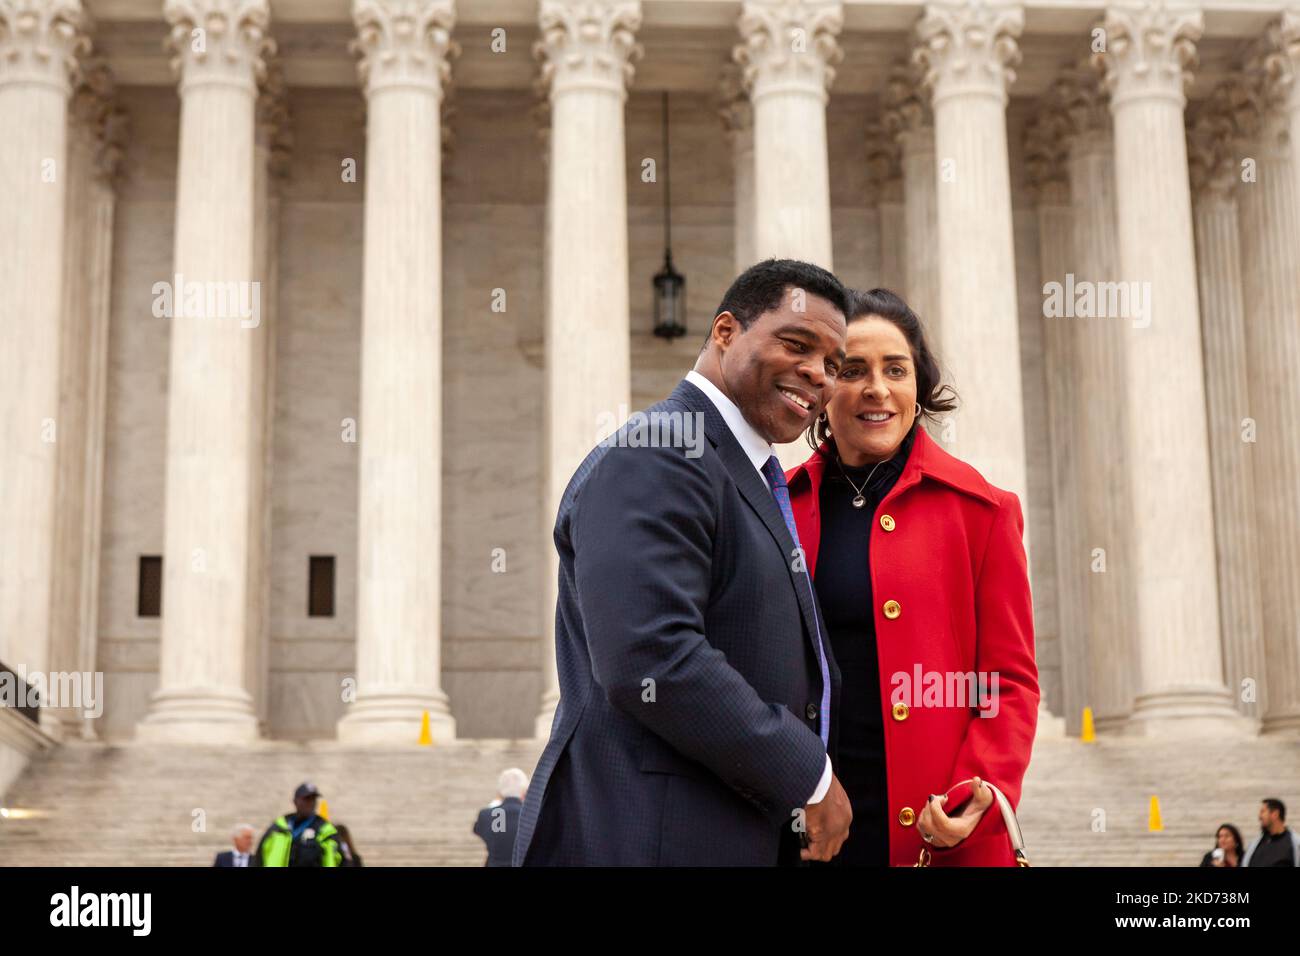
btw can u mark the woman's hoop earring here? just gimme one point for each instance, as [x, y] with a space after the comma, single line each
[918, 409]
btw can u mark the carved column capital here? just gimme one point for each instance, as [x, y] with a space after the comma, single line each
[907, 115]
[884, 162]
[404, 43]
[1047, 151]
[98, 118]
[219, 42]
[274, 127]
[588, 44]
[734, 108]
[789, 45]
[40, 41]
[1150, 49]
[969, 47]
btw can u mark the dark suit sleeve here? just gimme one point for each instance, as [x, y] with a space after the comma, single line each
[481, 825]
[643, 535]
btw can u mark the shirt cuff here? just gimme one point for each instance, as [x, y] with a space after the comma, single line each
[824, 784]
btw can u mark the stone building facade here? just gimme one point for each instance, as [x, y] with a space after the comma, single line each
[448, 215]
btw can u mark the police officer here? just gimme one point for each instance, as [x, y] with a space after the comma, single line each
[302, 839]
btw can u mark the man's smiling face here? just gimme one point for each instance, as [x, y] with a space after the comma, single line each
[781, 370]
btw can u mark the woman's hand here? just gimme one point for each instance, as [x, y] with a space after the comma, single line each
[949, 831]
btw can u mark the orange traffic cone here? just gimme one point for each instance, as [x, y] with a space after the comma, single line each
[1154, 823]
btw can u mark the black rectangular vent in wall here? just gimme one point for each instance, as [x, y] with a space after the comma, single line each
[320, 586]
[148, 602]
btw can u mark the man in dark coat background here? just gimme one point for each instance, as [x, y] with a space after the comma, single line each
[498, 823]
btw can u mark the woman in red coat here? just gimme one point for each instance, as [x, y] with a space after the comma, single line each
[921, 574]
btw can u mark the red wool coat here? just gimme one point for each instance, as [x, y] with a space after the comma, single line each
[950, 585]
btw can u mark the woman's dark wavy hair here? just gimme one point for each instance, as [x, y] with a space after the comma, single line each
[1236, 838]
[932, 394]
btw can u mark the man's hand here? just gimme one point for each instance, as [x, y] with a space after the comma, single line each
[827, 824]
[949, 831]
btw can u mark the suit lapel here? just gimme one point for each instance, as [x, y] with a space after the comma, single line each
[754, 489]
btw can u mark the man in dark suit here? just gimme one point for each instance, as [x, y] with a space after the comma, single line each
[241, 856]
[498, 823]
[696, 683]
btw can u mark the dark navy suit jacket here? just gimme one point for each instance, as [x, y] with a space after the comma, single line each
[687, 727]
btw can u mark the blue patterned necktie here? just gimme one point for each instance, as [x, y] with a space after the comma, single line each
[781, 492]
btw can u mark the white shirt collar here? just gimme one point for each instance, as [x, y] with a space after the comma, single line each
[756, 448]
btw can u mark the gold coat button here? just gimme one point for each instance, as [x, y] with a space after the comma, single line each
[907, 816]
[892, 609]
[900, 711]
[887, 522]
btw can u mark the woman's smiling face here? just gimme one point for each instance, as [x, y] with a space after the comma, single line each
[874, 402]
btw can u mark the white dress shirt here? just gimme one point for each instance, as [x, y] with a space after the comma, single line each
[758, 450]
[239, 859]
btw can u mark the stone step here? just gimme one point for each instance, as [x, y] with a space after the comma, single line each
[131, 805]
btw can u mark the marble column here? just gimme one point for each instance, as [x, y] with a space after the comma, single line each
[885, 173]
[587, 50]
[1214, 154]
[1270, 250]
[788, 53]
[737, 116]
[967, 53]
[203, 694]
[96, 133]
[1173, 559]
[39, 43]
[272, 141]
[908, 116]
[1048, 180]
[404, 67]
[1098, 346]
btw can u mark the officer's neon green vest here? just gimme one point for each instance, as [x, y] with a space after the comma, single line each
[276, 846]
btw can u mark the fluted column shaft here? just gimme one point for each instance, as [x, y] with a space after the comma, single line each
[1173, 570]
[920, 212]
[1099, 361]
[913, 126]
[203, 691]
[738, 121]
[1049, 181]
[892, 210]
[404, 67]
[588, 51]
[788, 53]
[269, 166]
[94, 151]
[39, 41]
[1270, 246]
[1218, 259]
[967, 53]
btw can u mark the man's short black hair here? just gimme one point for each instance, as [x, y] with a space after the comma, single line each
[761, 287]
[1273, 803]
